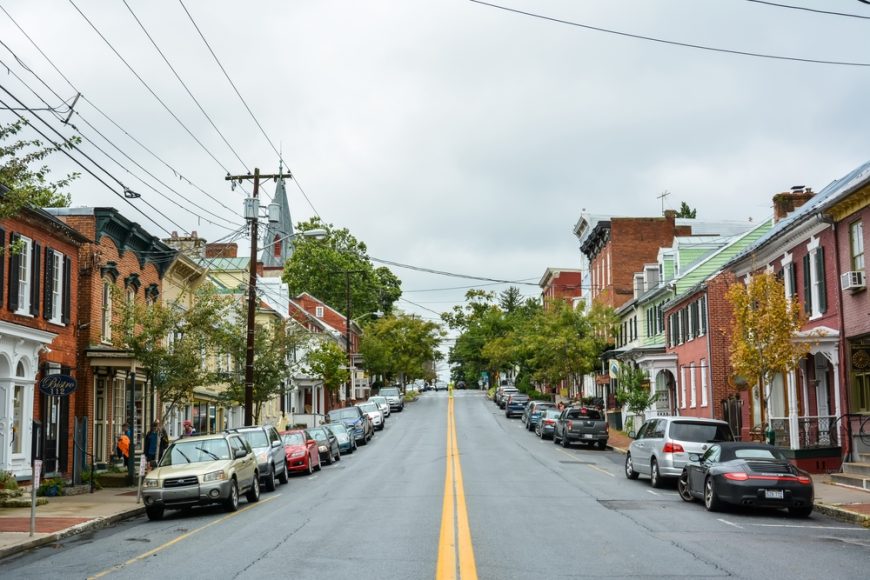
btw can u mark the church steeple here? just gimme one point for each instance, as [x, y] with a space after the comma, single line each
[277, 237]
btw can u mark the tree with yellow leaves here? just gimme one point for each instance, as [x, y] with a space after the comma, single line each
[765, 322]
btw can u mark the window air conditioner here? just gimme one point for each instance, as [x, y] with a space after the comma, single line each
[853, 280]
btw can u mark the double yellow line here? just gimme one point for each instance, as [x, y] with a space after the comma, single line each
[455, 543]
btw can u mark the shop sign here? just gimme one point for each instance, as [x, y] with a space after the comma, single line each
[57, 385]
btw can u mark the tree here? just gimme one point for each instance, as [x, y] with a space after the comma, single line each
[685, 211]
[28, 185]
[170, 342]
[328, 362]
[400, 347]
[321, 267]
[764, 325]
[633, 390]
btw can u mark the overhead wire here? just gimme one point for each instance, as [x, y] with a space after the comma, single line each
[669, 42]
[450, 274]
[84, 98]
[806, 9]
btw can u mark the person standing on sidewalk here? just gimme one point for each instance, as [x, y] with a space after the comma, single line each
[123, 446]
[152, 442]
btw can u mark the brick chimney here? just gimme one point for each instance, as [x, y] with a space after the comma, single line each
[786, 202]
[221, 250]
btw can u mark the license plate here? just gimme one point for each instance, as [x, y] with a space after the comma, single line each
[773, 494]
[587, 436]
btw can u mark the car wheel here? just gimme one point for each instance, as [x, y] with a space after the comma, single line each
[630, 473]
[683, 487]
[319, 465]
[602, 444]
[329, 459]
[555, 439]
[800, 512]
[310, 467]
[711, 500]
[154, 512]
[338, 454]
[565, 442]
[284, 477]
[655, 478]
[270, 479]
[253, 494]
[231, 504]
[363, 441]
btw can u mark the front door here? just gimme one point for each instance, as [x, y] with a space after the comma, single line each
[55, 414]
[101, 424]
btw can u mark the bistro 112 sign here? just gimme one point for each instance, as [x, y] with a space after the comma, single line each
[57, 385]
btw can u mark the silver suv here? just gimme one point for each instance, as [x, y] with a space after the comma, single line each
[269, 450]
[662, 445]
[394, 398]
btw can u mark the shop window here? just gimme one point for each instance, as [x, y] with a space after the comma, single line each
[106, 313]
[856, 244]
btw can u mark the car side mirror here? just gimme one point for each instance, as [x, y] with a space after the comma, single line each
[632, 434]
[276, 443]
[240, 453]
[694, 458]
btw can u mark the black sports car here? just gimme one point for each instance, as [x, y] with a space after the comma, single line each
[749, 474]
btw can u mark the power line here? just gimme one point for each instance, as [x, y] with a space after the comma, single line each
[462, 287]
[670, 42]
[451, 274]
[247, 107]
[175, 172]
[805, 9]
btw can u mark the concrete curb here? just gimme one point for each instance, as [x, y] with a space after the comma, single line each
[617, 449]
[842, 514]
[95, 524]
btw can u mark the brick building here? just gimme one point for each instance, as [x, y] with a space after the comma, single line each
[113, 389]
[37, 338]
[561, 284]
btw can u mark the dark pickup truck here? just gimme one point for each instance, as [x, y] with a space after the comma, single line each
[581, 425]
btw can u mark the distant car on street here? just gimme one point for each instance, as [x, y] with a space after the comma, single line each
[346, 441]
[515, 405]
[375, 414]
[327, 445]
[382, 403]
[581, 425]
[267, 446]
[394, 397]
[356, 421]
[301, 450]
[547, 424]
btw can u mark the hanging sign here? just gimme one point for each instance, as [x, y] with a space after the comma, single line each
[57, 385]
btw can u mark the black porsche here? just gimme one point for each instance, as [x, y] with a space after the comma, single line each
[748, 474]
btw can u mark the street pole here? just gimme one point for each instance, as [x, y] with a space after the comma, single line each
[347, 274]
[252, 214]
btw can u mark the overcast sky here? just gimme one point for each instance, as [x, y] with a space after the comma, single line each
[454, 136]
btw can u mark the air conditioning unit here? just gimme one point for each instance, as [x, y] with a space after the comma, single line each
[853, 281]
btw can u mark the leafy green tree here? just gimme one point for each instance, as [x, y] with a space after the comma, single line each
[685, 211]
[29, 184]
[320, 268]
[633, 390]
[400, 347]
[170, 342]
[328, 363]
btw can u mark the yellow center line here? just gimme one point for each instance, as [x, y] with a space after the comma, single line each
[174, 541]
[454, 516]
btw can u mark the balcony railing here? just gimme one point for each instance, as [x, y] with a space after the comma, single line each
[813, 432]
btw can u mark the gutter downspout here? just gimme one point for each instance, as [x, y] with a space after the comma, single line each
[841, 344]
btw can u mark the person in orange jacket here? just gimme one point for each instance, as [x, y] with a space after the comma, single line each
[123, 446]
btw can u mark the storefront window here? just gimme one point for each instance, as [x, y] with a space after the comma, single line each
[18, 419]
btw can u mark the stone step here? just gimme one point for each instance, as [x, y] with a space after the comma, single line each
[864, 457]
[857, 481]
[21, 502]
[857, 468]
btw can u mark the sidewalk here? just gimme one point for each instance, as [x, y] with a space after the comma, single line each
[65, 516]
[838, 501]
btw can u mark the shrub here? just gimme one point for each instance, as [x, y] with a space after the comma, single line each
[88, 475]
[50, 487]
[7, 481]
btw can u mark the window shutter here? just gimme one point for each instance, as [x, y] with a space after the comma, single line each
[792, 275]
[67, 290]
[2, 264]
[35, 260]
[13, 274]
[820, 276]
[808, 291]
[47, 306]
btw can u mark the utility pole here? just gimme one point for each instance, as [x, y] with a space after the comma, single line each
[350, 367]
[252, 213]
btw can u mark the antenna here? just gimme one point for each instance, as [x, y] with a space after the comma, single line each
[662, 197]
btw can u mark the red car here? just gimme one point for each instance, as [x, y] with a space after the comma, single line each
[301, 451]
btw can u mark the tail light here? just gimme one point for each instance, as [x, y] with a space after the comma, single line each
[673, 448]
[805, 480]
[606, 427]
[548, 421]
[737, 476]
[570, 425]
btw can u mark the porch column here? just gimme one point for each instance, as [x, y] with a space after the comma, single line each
[793, 435]
[835, 362]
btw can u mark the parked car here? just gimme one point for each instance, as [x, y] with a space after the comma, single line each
[356, 421]
[440, 386]
[327, 444]
[500, 393]
[382, 403]
[346, 441]
[581, 425]
[301, 451]
[746, 474]
[202, 470]
[532, 413]
[547, 424]
[505, 393]
[374, 413]
[269, 449]
[394, 397]
[515, 405]
[662, 445]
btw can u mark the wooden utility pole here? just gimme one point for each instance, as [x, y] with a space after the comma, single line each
[252, 209]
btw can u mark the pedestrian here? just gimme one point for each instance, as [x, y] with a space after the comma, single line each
[152, 442]
[189, 431]
[123, 446]
[164, 442]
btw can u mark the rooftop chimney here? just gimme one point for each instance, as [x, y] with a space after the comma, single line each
[221, 250]
[788, 201]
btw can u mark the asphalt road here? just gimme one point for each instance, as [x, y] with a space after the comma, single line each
[534, 510]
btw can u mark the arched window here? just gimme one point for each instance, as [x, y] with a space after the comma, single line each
[276, 246]
[106, 313]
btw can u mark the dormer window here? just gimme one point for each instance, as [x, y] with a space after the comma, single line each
[318, 311]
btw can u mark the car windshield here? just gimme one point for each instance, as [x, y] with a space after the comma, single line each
[584, 413]
[293, 438]
[756, 453]
[337, 428]
[389, 392]
[318, 434]
[697, 432]
[552, 414]
[519, 399]
[368, 407]
[377, 400]
[255, 438]
[347, 413]
[183, 452]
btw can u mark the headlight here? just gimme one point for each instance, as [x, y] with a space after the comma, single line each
[297, 454]
[262, 457]
[152, 482]
[214, 476]
[322, 448]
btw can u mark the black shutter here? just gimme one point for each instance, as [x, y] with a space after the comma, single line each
[792, 274]
[2, 264]
[808, 290]
[35, 277]
[14, 260]
[48, 289]
[67, 290]
[820, 276]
